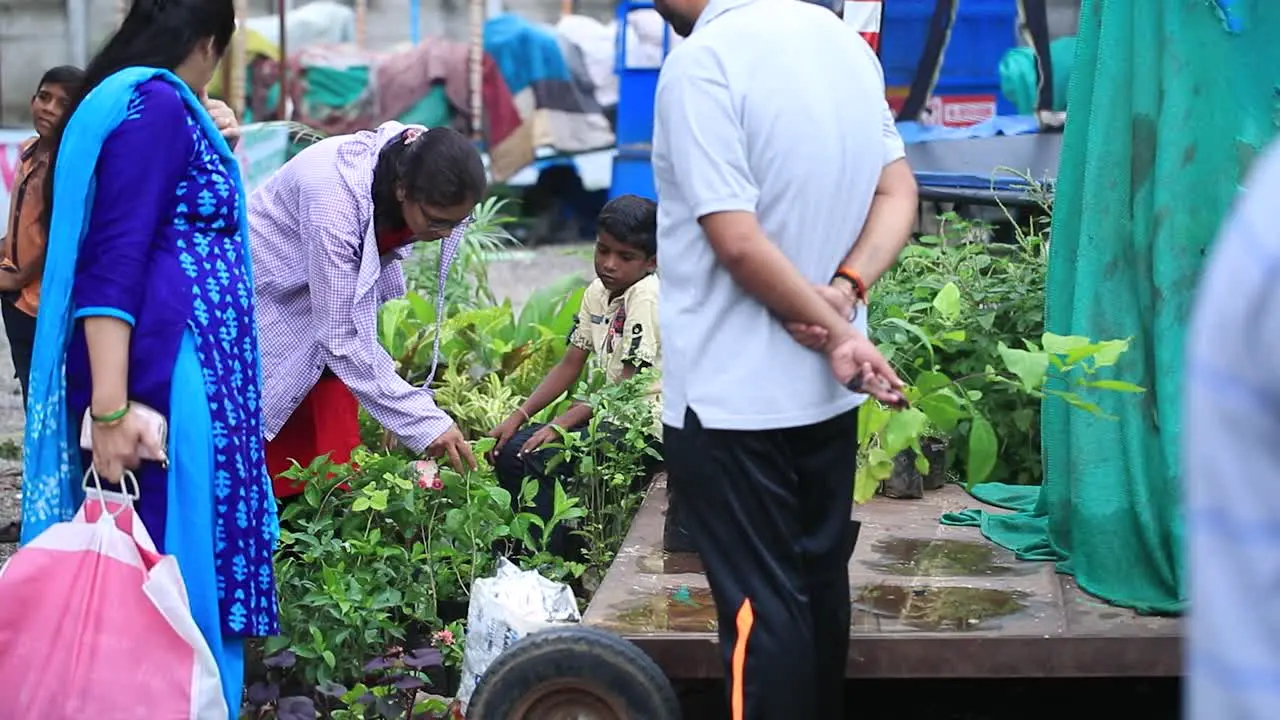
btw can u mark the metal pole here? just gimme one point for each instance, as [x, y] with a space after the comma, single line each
[234, 82]
[362, 9]
[284, 61]
[476, 61]
[77, 32]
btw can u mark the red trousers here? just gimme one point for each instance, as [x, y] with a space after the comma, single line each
[327, 421]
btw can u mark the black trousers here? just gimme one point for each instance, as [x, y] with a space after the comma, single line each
[769, 513]
[20, 328]
[512, 469]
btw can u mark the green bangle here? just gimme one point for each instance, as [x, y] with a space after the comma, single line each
[111, 417]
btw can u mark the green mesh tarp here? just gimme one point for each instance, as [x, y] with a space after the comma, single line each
[1170, 101]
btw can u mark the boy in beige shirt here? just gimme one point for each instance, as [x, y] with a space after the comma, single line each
[616, 328]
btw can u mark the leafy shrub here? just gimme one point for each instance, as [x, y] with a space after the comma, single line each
[963, 323]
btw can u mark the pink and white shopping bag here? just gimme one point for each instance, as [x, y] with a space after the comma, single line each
[94, 623]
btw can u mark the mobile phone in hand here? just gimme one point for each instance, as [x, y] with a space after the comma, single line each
[858, 386]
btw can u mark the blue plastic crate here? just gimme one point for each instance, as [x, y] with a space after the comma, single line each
[633, 174]
[983, 31]
[637, 86]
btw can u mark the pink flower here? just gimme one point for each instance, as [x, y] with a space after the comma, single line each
[428, 475]
[443, 637]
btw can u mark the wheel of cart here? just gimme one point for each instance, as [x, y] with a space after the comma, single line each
[573, 673]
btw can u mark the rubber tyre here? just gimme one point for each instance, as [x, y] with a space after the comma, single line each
[573, 660]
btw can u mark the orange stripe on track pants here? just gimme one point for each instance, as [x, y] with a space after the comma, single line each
[746, 619]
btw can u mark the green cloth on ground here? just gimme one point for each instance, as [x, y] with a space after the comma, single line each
[1022, 532]
[1170, 100]
[1020, 76]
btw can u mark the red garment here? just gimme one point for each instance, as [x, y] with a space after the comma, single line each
[389, 240]
[327, 421]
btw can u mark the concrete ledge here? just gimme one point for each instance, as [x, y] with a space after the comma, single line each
[928, 602]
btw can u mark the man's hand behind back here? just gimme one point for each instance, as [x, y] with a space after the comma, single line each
[859, 366]
[856, 362]
[814, 337]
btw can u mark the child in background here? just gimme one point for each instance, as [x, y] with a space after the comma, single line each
[617, 324]
[22, 257]
[22, 254]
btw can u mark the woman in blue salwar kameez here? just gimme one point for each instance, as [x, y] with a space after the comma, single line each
[149, 300]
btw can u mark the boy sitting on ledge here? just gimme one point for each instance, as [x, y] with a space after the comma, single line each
[618, 325]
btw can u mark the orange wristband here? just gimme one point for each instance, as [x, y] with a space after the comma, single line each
[859, 287]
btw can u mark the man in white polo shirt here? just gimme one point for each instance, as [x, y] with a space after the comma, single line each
[782, 194]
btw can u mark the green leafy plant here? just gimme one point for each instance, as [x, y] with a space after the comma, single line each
[608, 460]
[948, 304]
[490, 357]
[565, 510]
[945, 405]
[369, 550]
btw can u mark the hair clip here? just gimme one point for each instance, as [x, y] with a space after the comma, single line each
[411, 134]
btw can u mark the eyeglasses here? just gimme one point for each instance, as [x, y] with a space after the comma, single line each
[444, 226]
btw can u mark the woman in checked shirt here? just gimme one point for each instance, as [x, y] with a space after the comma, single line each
[329, 231]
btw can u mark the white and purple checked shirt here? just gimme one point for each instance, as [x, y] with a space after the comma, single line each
[1231, 461]
[320, 280]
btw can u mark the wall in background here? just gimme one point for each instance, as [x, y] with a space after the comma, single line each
[34, 34]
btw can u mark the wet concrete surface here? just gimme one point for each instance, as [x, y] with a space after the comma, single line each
[938, 557]
[927, 601]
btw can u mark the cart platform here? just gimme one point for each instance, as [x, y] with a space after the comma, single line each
[929, 601]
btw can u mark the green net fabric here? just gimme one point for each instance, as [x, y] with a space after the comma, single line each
[1170, 101]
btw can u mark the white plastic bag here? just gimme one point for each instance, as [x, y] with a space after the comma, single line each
[505, 608]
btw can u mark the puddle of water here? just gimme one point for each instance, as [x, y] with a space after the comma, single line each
[935, 608]
[664, 563]
[691, 610]
[922, 557]
[681, 610]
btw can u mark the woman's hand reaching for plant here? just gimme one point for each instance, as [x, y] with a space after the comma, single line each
[116, 445]
[455, 448]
